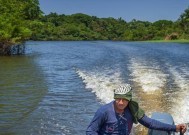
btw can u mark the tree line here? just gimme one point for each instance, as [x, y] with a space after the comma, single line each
[22, 20]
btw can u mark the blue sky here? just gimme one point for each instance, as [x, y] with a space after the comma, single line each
[144, 10]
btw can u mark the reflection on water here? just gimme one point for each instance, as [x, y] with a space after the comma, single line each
[21, 88]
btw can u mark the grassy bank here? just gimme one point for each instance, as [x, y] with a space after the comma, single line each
[173, 41]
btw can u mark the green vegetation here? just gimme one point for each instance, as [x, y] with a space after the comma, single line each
[15, 17]
[22, 20]
[174, 41]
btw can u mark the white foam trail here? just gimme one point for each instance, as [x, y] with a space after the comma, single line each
[150, 78]
[102, 84]
[181, 103]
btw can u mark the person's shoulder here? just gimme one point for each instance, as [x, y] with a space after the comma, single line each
[106, 108]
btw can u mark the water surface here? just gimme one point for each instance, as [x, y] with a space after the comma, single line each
[57, 86]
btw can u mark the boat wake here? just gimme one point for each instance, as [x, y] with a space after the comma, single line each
[102, 84]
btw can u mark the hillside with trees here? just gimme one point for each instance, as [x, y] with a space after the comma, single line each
[22, 20]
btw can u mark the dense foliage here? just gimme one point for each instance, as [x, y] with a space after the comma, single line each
[15, 16]
[21, 20]
[84, 27]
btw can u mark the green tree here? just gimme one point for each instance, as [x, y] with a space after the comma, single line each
[137, 30]
[54, 18]
[15, 15]
[31, 9]
[184, 21]
[163, 28]
[12, 25]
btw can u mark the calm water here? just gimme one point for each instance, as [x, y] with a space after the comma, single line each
[56, 87]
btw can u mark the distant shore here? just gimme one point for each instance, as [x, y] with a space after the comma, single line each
[173, 41]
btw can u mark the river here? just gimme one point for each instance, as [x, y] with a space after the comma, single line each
[56, 87]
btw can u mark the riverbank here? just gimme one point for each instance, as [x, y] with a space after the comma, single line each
[170, 41]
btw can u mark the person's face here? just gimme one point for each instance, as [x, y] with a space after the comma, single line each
[121, 104]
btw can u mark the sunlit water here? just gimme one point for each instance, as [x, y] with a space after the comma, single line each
[57, 86]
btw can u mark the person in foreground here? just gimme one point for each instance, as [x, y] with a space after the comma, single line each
[118, 116]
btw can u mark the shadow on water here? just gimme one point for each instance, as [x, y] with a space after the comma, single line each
[22, 87]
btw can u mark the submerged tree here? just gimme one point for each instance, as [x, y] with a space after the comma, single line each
[14, 17]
